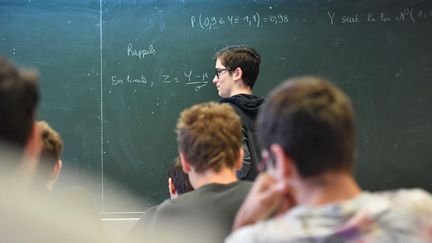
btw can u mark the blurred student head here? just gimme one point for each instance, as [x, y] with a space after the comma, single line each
[19, 137]
[18, 99]
[312, 121]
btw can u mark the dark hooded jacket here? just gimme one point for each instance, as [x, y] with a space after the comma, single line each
[247, 106]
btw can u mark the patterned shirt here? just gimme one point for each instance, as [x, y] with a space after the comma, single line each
[392, 216]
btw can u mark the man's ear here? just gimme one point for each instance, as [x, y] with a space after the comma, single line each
[55, 174]
[285, 166]
[239, 162]
[57, 169]
[171, 188]
[238, 74]
[185, 164]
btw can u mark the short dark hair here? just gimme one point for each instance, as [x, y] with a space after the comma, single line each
[243, 57]
[18, 99]
[210, 136]
[180, 179]
[313, 122]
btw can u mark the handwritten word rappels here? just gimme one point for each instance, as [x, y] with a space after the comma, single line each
[140, 53]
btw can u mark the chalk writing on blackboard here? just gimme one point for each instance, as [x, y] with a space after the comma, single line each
[257, 19]
[407, 15]
[252, 20]
[197, 80]
[129, 79]
[140, 53]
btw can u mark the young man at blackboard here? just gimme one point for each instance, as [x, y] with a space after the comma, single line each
[210, 144]
[307, 132]
[236, 71]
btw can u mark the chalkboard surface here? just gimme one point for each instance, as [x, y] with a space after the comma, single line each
[116, 74]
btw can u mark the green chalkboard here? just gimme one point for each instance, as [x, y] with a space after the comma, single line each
[116, 74]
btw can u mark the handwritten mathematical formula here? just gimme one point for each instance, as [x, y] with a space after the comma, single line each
[405, 15]
[252, 20]
[257, 19]
[197, 80]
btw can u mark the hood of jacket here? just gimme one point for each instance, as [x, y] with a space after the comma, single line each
[249, 104]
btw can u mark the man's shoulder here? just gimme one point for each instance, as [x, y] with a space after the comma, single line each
[409, 199]
[244, 185]
[196, 199]
[263, 231]
[242, 98]
[177, 204]
[239, 188]
[399, 209]
[211, 207]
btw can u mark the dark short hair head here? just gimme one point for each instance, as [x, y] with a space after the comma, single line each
[180, 179]
[313, 121]
[18, 99]
[243, 57]
[210, 136]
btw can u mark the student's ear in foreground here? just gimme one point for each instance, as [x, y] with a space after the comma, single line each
[185, 164]
[171, 188]
[55, 174]
[56, 170]
[284, 164]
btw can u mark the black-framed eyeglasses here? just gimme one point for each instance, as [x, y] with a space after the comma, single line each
[219, 70]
